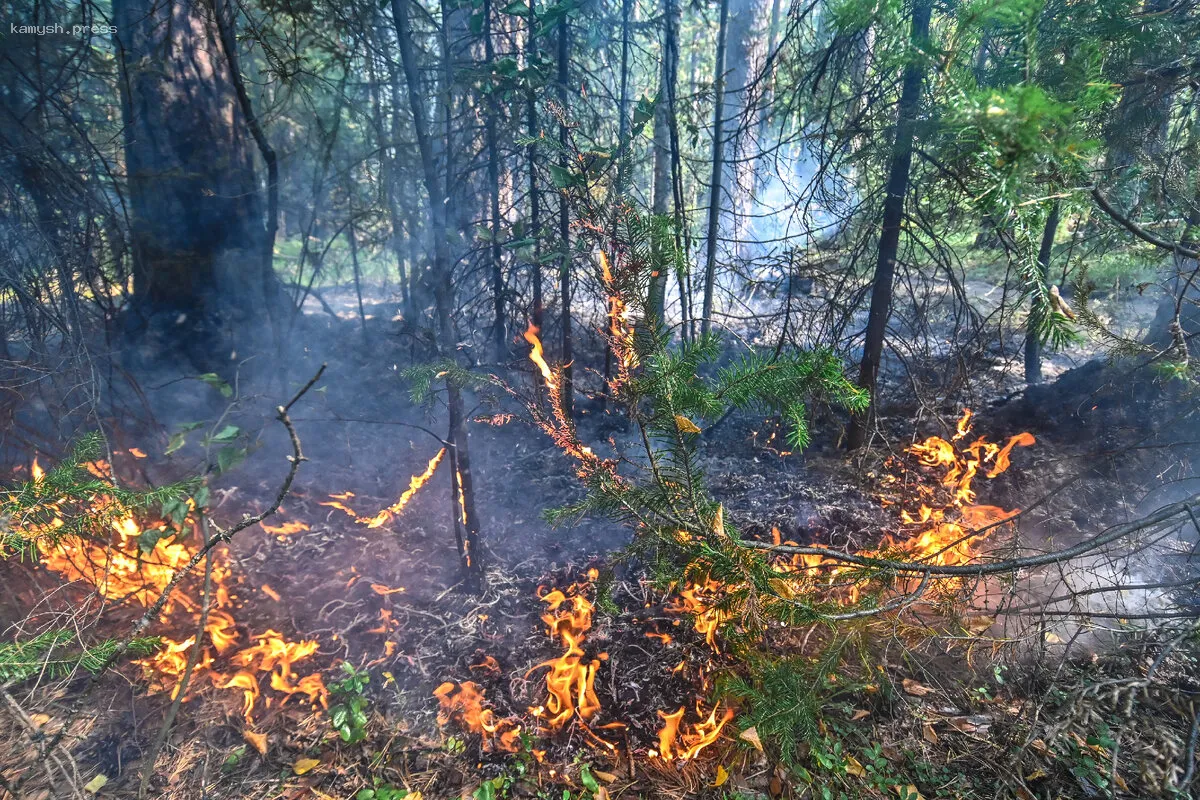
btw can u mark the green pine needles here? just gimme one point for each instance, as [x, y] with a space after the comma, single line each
[52, 655]
[70, 500]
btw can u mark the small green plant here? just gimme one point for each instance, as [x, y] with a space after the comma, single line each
[382, 791]
[516, 768]
[349, 713]
[1089, 759]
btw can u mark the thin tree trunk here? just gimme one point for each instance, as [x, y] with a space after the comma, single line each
[664, 190]
[893, 220]
[352, 237]
[622, 162]
[499, 323]
[718, 169]
[564, 225]
[623, 98]
[470, 554]
[535, 221]
[389, 146]
[1033, 340]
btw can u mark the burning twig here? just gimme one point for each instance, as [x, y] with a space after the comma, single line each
[193, 658]
[913, 568]
[414, 485]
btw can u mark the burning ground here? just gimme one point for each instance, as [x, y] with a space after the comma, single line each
[337, 655]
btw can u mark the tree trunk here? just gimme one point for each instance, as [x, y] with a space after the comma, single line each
[388, 142]
[1033, 339]
[535, 220]
[499, 323]
[201, 250]
[623, 98]
[664, 190]
[469, 554]
[564, 224]
[714, 186]
[893, 220]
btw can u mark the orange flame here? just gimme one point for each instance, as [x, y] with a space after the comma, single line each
[463, 703]
[672, 744]
[286, 528]
[949, 528]
[537, 357]
[619, 331]
[571, 678]
[414, 485]
[119, 569]
[700, 601]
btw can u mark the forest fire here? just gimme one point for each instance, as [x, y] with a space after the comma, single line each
[339, 501]
[571, 678]
[699, 600]
[463, 703]
[136, 565]
[945, 541]
[674, 745]
[948, 525]
[414, 485]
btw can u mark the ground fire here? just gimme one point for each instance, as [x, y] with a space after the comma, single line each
[120, 571]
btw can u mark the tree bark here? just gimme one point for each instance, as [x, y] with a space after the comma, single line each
[1033, 340]
[201, 250]
[717, 175]
[564, 224]
[499, 323]
[535, 221]
[893, 220]
[664, 190]
[470, 554]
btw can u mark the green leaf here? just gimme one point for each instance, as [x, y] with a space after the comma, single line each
[226, 434]
[214, 380]
[175, 509]
[643, 112]
[588, 779]
[561, 177]
[517, 8]
[337, 716]
[150, 539]
[229, 457]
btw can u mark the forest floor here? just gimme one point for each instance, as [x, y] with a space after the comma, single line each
[943, 713]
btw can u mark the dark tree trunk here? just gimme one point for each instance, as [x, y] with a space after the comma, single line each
[462, 494]
[893, 220]
[535, 219]
[500, 322]
[717, 175]
[664, 189]
[623, 98]
[200, 247]
[1033, 339]
[564, 224]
